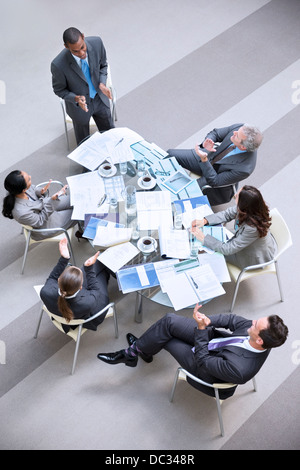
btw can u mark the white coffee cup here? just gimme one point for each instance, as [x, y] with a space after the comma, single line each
[147, 243]
[147, 181]
[106, 168]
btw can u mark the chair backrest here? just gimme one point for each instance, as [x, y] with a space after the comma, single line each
[280, 232]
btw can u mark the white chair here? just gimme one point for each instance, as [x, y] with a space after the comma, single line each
[184, 374]
[27, 230]
[113, 109]
[76, 333]
[282, 236]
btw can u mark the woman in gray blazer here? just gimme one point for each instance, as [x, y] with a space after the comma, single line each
[28, 205]
[252, 242]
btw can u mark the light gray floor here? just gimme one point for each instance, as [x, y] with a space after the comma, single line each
[180, 69]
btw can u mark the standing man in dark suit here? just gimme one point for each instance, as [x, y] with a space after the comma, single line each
[191, 343]
[230, 162]
[79, 76]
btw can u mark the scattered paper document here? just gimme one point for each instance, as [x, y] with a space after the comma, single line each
[177, 182]
[173, 243]
[153, 209]
[218, 264]
[111, 235]
[195, 285]
[93, 151]
[91, 228]
[117, 256]
[86, 190]
[162, 169]
[133, 278]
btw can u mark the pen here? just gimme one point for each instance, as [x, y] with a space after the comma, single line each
[121, 140]
[195, 284]
[101, 200]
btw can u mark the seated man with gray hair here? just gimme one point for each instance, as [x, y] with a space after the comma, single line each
[233, 160]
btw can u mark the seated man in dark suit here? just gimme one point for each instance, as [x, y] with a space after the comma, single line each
[230, 162]
[192, 342]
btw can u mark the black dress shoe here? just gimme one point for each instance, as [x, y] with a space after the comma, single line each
[118, 357]
[132, 339]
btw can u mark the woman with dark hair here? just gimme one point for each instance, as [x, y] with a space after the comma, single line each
[28, 204]
[252, 242]
[75, 293]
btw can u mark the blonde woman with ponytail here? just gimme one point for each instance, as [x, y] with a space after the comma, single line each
[77, 293]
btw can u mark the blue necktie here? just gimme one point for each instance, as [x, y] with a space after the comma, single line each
[86, 70]
[224, 342]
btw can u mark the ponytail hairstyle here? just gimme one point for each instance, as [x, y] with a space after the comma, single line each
[15, 184]
[253, 210]
[69, 283]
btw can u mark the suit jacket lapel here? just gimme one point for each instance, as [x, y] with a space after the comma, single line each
[75, 67]
[226, 142]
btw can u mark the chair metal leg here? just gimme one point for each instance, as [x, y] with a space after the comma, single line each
[279, 282]
[115, 321]
[138, 307]
[219, 411]
[39, 323]
[25, 252]
[70, 248]
[65, 123]
[254, 384]
[235, 292]
[174, 384]
[76, 349]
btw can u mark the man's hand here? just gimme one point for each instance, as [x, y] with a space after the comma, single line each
[208, 144]
[81, 101]
[105, 90]
[202, 320]
[201, 154]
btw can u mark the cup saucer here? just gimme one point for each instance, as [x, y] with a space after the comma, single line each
[142, 186]
[107, 175]
[148, 250]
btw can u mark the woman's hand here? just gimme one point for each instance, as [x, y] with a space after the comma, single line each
[198, 222]
[64, 249]
[92, 259]
[45, 188]
[198, 233]
[59, 193]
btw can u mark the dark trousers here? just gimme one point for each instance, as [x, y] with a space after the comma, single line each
[175, 334]
[101, 115]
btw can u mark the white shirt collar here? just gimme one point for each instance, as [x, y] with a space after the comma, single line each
[69, 296]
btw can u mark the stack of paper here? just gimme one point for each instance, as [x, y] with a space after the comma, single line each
[153, 209]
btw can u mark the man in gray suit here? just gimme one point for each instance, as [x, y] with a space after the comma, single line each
[195, 344]
[230, 162]
[79, 76]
